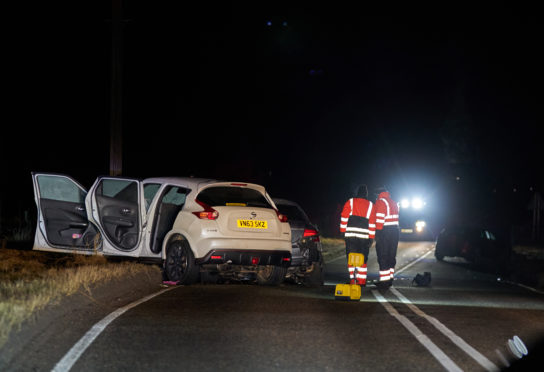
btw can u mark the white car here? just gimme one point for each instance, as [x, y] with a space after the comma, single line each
[189, 225]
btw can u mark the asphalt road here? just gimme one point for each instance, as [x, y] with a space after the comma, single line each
[463, 321]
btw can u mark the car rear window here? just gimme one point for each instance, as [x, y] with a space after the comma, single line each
[292, 212]
[233, 196]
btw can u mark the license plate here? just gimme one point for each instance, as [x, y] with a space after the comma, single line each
[409, 231]
[252, 224]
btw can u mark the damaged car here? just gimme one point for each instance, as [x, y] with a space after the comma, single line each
[187, 225]
[307, 251]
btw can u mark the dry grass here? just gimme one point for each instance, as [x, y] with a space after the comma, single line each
[31, 280]
[531, 252]
[332, 248]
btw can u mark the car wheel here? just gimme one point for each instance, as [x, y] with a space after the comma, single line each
[271, 275]
[438, 254]
[180, 263]
[315, 277]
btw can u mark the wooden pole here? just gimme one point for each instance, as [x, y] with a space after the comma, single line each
[116, 122]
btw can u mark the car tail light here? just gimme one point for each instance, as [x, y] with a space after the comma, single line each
[255, 260]
[216, 257]
[282, 217]
[312, 234]
[208, 213]
[286, 259]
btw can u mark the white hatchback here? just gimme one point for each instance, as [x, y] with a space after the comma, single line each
[189, 225]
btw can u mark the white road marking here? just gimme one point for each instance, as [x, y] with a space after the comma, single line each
[435, 351]
[462, 344]
[66, 363]
[413, 262]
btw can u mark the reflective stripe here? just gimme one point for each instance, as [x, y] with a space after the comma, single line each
[387, 205]
[351, 268]
[344, 219]
[371, 225]
[380, 221]
[355, 235]
[351, 206]
[362, 276]
[391, 223]
[369, 210]
[380, 214]
[357, 229]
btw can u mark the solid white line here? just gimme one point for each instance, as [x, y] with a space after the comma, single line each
[66, 363]
[462, 344]
[435, 351]
[413, 262]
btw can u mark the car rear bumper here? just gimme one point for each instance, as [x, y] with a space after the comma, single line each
[246, 257]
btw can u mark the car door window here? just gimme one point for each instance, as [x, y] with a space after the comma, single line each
[60, 188]
[150, 190]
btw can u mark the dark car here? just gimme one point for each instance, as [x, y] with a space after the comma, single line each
[475, 244]
[306, 259]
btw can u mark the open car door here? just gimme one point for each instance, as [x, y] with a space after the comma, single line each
[116, 205]
[62, 215]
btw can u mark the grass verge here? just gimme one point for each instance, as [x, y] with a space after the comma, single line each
[30, 280]
[332, 248]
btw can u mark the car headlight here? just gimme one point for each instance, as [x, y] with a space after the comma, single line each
[405, 203]
[417, 203]
[420, 225]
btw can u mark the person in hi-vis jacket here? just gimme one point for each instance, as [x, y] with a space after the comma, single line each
[357, 223]
[387, 235]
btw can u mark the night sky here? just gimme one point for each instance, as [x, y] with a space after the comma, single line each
[309, 101]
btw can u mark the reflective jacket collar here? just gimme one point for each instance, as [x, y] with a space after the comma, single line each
[385, 195]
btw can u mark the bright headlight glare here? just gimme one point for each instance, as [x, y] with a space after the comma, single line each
[421, 224]
[405, 203]
[417, 203]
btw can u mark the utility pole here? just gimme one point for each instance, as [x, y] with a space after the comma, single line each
[116, 113]
[537, 207]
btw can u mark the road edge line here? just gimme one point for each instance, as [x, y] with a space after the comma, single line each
[462, 344]
[423, 339]
[71, 357]
[414, 261]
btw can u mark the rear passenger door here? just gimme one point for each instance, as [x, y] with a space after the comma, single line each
[117, 207]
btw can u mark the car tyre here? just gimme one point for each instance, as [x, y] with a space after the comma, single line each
[438, 254]
[180, 263]
[271, 275]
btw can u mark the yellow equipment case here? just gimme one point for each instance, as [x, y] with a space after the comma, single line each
[347, 292]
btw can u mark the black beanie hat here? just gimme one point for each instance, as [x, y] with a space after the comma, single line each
[362, 191]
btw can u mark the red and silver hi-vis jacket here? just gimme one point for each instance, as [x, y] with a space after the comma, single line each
[357, 219]
[387, 211]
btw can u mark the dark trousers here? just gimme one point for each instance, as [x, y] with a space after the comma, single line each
[387, 241]
[358, 245]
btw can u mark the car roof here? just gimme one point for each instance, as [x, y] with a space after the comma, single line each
[187, 182]
[197, 184]
[285, 202]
